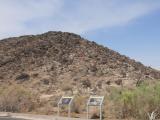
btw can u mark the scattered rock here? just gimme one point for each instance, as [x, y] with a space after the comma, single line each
[86, 83]
[45, 81]
[23, 77]
[108, 82]
[64, 56]
[118, 82]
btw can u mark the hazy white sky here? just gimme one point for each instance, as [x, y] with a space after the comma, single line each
[79, 16]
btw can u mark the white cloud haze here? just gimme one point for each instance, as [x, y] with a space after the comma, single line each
[19, 17]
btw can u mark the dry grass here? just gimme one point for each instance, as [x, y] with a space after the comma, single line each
[16, 98]
[79, 105]
[120, 103]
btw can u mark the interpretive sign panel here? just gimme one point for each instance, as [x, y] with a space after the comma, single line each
[95, 101]
[65, 100]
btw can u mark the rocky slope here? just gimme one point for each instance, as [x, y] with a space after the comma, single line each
[56, 62]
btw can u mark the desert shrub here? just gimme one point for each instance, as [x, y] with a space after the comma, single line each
[67, 87]
[17, 99]
[78, 104]
[119, 82]
[99, 84]
[95, 116]
[138, 102]
[128, 102]
[93, 68]
[108, 82]
[86, 83]
[45, 81]
[35, 75]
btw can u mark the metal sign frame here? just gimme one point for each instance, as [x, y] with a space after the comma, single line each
[95, 101]
[65, 100]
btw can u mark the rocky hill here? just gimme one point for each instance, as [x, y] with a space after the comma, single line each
[56, 62]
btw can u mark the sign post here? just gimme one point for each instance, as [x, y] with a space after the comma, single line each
[67, 101]
[95, 101]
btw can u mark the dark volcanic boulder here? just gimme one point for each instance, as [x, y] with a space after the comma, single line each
[64, 57]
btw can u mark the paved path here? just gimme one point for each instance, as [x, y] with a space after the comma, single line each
[20, 116]
[7, 118]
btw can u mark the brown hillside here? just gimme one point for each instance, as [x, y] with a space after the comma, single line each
[61, 61]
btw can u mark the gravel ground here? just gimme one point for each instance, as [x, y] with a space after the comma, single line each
[7, 118]
[21, 116]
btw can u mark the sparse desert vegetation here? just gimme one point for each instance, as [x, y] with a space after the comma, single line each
[120, 103]
[137, 103]
[16, 98]
[36, 70]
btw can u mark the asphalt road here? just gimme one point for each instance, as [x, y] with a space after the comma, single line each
[7, 118]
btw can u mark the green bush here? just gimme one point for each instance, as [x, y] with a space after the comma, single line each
[138, 102]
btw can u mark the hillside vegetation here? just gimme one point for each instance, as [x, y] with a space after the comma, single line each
[36, 70]
[44, 62]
